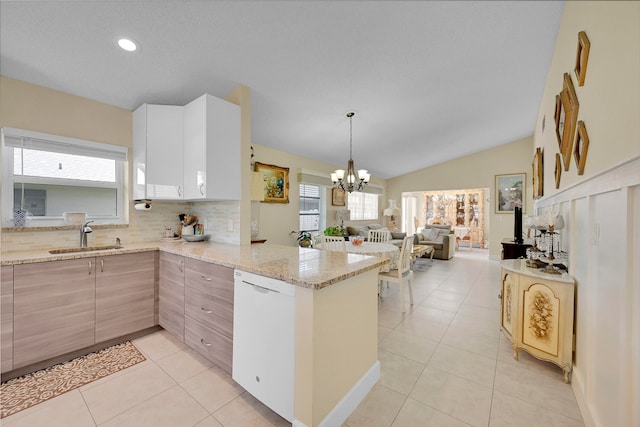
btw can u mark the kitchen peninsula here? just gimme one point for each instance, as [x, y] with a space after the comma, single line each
[335, 337]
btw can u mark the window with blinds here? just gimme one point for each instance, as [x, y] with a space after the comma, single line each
[48, 175]
[310, 204]
[363, 206]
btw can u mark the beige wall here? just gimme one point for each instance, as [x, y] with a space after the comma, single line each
[277, 220]
[336, 343]
[601, 207]
[36, 108]
[475, 171]
[610, 98]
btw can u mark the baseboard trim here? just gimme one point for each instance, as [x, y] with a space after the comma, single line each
[350, 401]
[577, 386]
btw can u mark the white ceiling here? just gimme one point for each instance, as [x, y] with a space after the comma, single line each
[430, 81]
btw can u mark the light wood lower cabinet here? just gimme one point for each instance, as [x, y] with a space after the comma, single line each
[537, 313]
[209, 311]
[125, 294]
[64, 306]
[54, 309]
[6, 323]
[171, 290]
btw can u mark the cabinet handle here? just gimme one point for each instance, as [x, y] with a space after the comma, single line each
[208, 279]
[202, 189]
[89, 268]
[202, 341]
[181, 266]
[101, 266]
[206, 310]
[179, 191]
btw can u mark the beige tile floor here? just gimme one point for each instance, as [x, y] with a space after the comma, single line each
[443, 363]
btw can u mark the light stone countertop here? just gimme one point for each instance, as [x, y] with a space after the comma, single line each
[309, 268]
[520, 266]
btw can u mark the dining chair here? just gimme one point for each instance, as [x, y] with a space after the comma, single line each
[379, 236]
[402, 274]
[333, 243]
[316, 238]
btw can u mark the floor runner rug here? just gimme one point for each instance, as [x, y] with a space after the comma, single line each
[24, 392]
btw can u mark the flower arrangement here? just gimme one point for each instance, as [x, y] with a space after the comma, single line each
[356, 240]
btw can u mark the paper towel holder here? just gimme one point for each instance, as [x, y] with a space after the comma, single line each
[143, 204]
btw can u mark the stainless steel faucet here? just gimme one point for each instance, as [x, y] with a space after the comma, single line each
[84, 230]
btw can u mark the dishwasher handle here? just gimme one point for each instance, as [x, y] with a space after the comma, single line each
[260, 289]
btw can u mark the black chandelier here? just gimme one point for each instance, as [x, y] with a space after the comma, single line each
[350, 180]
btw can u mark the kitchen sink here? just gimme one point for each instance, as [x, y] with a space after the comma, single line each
[85, 249]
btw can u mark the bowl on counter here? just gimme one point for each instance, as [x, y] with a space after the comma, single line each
[74, 218]
[195, 237]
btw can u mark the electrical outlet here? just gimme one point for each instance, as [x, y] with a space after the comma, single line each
[229, 225]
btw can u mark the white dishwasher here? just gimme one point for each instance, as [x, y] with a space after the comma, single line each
[263, 340]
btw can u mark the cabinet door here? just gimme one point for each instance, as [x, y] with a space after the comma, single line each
[125, 294]
[158, 152]
[54, 309]
[212, 149]
[6, 307]
[547, 319]
[172, 293]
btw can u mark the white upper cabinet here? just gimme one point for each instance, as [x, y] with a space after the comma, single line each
[187, 153]
[158, 152]
[211, 149]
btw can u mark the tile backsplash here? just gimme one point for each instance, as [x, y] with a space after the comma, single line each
[221, 220]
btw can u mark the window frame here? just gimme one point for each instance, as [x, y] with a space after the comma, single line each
[321, 205]
[67, 145]
[355, 215]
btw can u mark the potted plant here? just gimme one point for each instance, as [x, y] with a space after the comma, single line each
[334, 231]
[304, 239]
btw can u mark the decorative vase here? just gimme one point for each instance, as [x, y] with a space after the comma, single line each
[21, 217]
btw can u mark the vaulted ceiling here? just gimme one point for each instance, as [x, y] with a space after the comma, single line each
[429, 81]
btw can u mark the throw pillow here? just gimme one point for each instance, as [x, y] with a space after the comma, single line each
[430, 234]
[374, 226]
[395, 235]
[439, 236]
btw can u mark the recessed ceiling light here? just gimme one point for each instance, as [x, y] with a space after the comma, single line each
[127, 44]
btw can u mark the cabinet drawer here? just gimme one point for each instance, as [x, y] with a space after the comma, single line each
[209, 343]
[209, 310]
[215, 280]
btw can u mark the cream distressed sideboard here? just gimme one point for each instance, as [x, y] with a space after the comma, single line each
[537, 313]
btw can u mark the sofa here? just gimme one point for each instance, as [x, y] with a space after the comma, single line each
[363, 230]
[441, 237]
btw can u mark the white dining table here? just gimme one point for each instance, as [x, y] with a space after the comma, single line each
[382, 250]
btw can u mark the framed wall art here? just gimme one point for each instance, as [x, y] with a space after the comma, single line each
[338, 197]
[581, 147]
[510, 192]
[558, 169]
[582, 57]
[537, 171]
[566, 119]
[275, 181]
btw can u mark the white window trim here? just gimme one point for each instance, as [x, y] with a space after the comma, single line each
[354, 213]
[12, 137]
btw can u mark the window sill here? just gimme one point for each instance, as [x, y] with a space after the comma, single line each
[61, 227]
